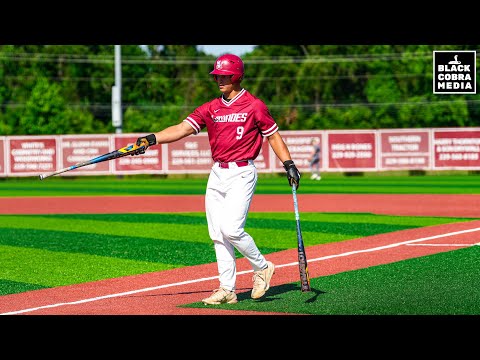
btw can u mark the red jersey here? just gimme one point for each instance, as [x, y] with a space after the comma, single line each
[235, 128]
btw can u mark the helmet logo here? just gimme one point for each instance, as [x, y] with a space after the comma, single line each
[219, 65]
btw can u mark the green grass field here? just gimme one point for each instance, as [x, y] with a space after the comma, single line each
[44, 251]
[440, 284]
[331, 183]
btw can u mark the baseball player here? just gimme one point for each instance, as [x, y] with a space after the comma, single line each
[315, 160]
[236, 123]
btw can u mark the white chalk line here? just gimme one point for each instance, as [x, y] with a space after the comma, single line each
[377, 248]
[407, 242]
[444, 245]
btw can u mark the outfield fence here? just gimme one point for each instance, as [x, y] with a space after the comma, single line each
[342, 151]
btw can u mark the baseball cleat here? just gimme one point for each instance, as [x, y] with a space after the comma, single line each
[221, 296]
[261, 280]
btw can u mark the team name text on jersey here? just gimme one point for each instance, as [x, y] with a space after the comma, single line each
[236, 117]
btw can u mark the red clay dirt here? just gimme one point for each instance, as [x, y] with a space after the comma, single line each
[160, 293]
[413, 205]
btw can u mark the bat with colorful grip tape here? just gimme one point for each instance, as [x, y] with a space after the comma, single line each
[124, 151]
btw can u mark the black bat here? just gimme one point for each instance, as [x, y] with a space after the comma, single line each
[127, 150]
[302, 256]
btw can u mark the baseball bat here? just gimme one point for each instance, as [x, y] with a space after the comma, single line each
[302, 256]
[127, 150]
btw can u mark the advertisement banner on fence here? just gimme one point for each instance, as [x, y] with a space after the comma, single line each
[351, 150]
[404, 149]
[76, 149]
[341, 151]
[456, 148]
[190, 155]
[3, 169]
[31, 155]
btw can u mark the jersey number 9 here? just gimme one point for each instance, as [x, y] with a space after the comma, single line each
[239, 132]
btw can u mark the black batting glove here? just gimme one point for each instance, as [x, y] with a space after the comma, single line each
[144, 142]
[293, 175]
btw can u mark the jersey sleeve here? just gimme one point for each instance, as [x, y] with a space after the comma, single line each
[197, 118]
[264, 119]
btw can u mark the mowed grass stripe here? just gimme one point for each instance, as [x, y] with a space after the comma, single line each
[101, 186]
[355, 217]
[269, 232]
[163, 231]
[259, 219]
[194, 218]
[54, 268]
[279, 235]
[166, 253]
[332, 183]
[14, 287]
[440, 284]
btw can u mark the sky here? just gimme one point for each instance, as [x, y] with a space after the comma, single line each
[217, 50]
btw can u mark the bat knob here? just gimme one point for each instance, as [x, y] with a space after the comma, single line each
[41, 176]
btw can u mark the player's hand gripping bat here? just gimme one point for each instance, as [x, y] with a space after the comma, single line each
[127, 150]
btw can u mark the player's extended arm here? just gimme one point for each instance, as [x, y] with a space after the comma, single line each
[281, 150]
[167, 135]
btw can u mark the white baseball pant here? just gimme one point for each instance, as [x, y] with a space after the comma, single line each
[227, 202]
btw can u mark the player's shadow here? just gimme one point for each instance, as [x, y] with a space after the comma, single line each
[274, 291]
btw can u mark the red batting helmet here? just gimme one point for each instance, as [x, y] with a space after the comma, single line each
[229, 64]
